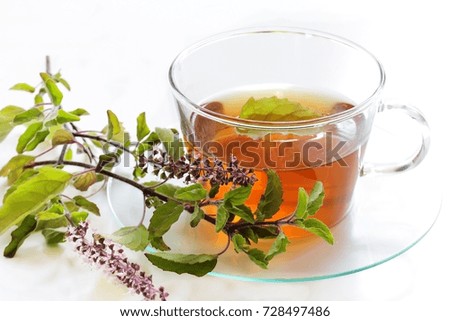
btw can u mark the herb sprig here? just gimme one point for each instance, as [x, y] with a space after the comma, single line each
[37, 200]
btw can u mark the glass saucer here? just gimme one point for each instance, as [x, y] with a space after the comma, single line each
[392, 214]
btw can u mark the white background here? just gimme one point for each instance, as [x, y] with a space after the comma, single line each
[116, 55]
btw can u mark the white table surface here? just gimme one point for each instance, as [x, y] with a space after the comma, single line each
[116, 55]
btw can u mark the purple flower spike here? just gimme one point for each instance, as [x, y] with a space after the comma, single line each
[110, 257]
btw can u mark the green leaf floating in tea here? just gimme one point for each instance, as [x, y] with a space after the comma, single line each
[275, 109]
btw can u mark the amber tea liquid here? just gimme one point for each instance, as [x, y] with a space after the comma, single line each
[299, 158]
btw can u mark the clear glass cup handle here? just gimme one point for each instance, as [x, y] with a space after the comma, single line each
[413, 160]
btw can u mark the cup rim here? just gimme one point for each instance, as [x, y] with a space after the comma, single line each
[260, 124]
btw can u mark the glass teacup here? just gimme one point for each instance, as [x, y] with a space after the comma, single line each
[213, 79]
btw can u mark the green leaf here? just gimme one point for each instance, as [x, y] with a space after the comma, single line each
[38, 99]
[86, 204]
[255, 232]
[69, 154]
[163, 217]
[19, 235]
[32, 195]
[302, 203]
[62, 137]
[159, 244]
[315, 198]
[83, 181]
[258, 257]
[7, 116]
[171, 141]
[136, 238]
[272, 198]
[191, 193]
[79, 112]
[78, 217]
[65, 117]
[221, 218]
[52, 89]
[214, 190]
[165, 189]
[197, 265]
[278, 246]
[142, 127]
[14, 168]
[64, 83]
[53, 236]
[39, 138]
[28, 136]
[23, 86]
[239, 243]
[316, 227]
[275, 109]
[197, 216]
[238, 196]
[114, 126]
[50, 219]
[242, 211]
[26, 116]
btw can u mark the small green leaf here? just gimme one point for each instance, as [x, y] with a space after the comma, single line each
[23, 86]
[315, 198]
[221, 218]
[38, 99]
[265, 232]
[14, 168]
[78, 217]
[272, 198]
[28, 136]
[197, 265]
[238, 196]
[242, 211]
[7, 116]
[19, 235]
[171, 141]
[165, 189]
[191, 193]
[62, 137]
[52, 89]
[258, 257]
[197, 216]
[136, 238]
[278, 246]
[50, 219]
[163, 218]
[275, 109]
[302, 203]
[65, 117]
[39, 138]
[69, 154]
[53, 236]
[255, 232]
[214, 190]
[142, 127]
[159, 244]
[79, 112]
[83, 181]
[64, 83]
[86, 204]
[316, 227]
[28, 115]
[32, 195]
[114, 126]
[240, 244]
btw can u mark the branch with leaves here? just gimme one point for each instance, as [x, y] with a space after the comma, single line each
[37, 200]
